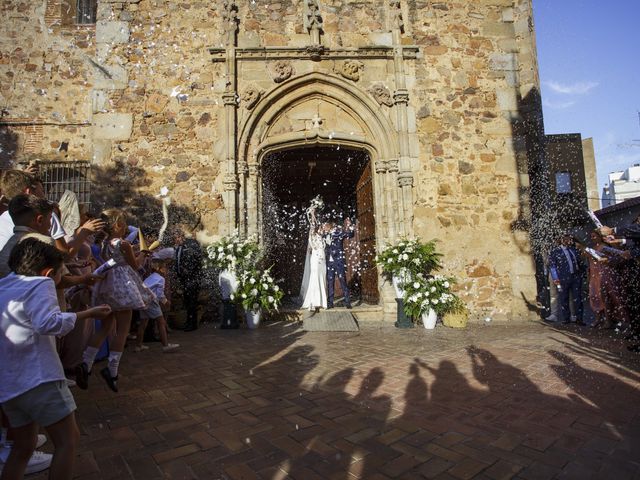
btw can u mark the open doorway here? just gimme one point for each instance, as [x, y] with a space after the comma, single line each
[342, 178]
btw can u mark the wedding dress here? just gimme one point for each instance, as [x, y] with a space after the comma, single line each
[314, 281]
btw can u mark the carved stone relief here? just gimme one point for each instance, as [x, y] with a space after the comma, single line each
[230, 21]
[282, 70]
[251, 96]
[312, 17]
[351, 69]
[396, 18]
[381, 94]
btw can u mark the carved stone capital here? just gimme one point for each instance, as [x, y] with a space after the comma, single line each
[381, 94]
[381, 166]
[254, 169]
[351, 69]
[315, 52]
[405, 179]
[229, 98]
[282, 70]
[251, 96]
[230, 183]
[401, 96]
[243, 168]
[392, 165]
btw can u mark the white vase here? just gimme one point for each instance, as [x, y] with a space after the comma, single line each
[253, 318]
[228, 283]
[398, 281]
[429, 319]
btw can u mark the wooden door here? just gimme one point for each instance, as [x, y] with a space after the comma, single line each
[366, 224]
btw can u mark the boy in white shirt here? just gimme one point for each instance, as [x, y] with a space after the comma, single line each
[155, 282]
[34, 391]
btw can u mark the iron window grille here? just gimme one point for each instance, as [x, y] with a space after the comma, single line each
[60, 176]
[86, 12]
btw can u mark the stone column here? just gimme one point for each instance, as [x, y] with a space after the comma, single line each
[231, 183]
[401, 101]
[392, 199]
[229, 98]
[381, 201]
[253, 199]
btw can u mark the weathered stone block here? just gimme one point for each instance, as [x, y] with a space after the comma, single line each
[112, 126]
[503, 62]
[109, 77]
[113, 32]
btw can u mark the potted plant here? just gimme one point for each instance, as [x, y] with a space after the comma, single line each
[458, 314]
[402, 261]
[257, 292]
[428, 297]
[229, 255]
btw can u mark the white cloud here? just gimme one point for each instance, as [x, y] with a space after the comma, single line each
[579, 88]
[558, 105]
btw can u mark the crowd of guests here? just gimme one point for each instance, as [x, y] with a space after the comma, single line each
[71, 285]
[610, 262]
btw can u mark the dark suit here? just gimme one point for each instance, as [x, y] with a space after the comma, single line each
[188, 267]
[335, 259]
[630, 231]
[566, 266]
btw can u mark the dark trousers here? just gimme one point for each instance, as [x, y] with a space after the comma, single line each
[190, 294]
[571, 286]
[337, 269]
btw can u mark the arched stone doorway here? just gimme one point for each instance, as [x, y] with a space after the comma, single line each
[319, 110]
[342, 178]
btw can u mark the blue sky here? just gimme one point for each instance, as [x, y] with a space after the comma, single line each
[589, 55]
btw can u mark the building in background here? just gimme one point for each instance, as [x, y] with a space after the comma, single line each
[622, 186]
[573, 178]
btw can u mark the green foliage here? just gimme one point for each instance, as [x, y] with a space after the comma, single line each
[424, 292]
[232, 253]
[413, 262]
[408, 258]
[257, 289]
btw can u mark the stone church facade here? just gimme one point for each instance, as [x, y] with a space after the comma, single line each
[439, 98]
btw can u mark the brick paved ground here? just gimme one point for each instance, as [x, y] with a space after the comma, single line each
[490, 402]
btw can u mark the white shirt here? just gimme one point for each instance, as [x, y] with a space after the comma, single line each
[6, 228]
[30, 318]
[155, 282]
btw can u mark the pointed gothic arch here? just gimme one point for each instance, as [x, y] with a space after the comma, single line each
[277, 122]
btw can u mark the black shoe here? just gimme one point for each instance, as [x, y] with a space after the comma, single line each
[348, 306]
[190, 327]
[82, 376]
[329, 307]
[112, 382]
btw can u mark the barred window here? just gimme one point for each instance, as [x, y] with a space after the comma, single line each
[60, 176]
[86, 11]
[563, 182]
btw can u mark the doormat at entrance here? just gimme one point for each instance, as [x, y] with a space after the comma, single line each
[335, 321]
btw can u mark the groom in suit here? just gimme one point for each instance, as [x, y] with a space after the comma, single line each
[335, 259]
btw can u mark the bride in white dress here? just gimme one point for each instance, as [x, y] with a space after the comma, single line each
[314, 281]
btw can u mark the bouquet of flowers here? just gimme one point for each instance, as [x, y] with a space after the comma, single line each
[408, 258]
[425, 292]
[231, 253]
[257, 289]
[317, 203]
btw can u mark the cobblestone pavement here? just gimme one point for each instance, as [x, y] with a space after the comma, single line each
[489, 402]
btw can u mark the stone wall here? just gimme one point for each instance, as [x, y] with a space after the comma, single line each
[140, 88]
